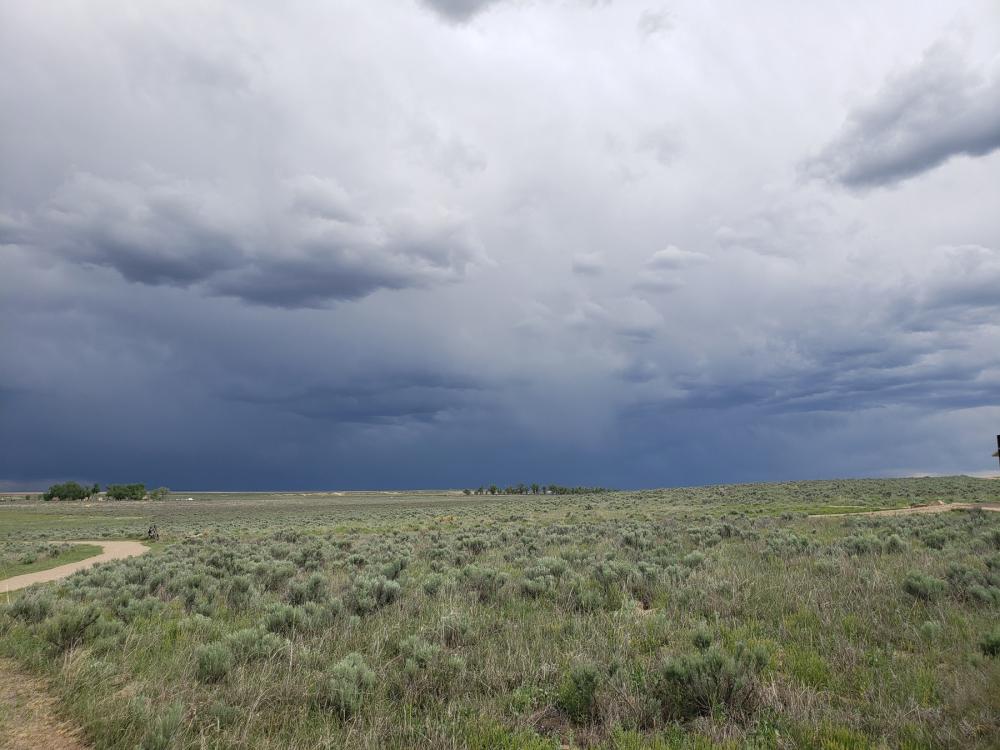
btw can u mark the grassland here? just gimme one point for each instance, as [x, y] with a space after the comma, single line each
[705, 617]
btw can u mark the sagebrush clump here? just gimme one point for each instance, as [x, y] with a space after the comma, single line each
[213, 662]
[345, 687]
[692, 685]
[578, 693]
[922, 586]
[989, 644]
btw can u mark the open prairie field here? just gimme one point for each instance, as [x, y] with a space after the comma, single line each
[725, 616]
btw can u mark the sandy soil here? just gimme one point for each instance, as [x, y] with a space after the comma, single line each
[112, 551]
[941, 508]
[27, 714]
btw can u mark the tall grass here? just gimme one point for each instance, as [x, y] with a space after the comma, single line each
[681, 618]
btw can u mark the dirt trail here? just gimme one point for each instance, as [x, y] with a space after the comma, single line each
[112, 551]
[27, 714]
[941, 508]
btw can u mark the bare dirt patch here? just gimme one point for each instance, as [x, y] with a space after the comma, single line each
[112, 551]
[940, 508]
[27, 714]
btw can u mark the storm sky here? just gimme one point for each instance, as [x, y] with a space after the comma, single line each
[441, 243]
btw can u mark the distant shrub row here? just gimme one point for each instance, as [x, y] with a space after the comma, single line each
[76, 491]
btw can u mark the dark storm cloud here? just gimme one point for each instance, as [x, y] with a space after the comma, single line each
[943, 386]
[312, 281]
[320, 272]
[842, 390]
[155, 234]
[961, 292]
[459, 10]
[9, 395]
[918, 120]
[312, 248]
[885, 355]
[913, 345]
[385, 398]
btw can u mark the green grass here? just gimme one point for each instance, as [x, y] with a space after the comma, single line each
[10, 567]
[621, 620]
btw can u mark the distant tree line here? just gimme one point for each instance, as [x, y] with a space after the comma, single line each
[534, 489]
[77, 491]
[70, 491]
[126, 492]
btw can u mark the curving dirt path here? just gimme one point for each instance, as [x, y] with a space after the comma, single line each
[112, 551]
[941, 508]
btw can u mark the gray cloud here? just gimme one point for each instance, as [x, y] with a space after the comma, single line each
[662, 142]
[629, 317]
[835, 385]
[327, 264]
[652, 22]
[959, 291]
[639, 371]
[313, 246]
[969, 278]
[459, 10]
[672, 258]
[938, 110]
[11, 231]
[661, 272]
[588, 264]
